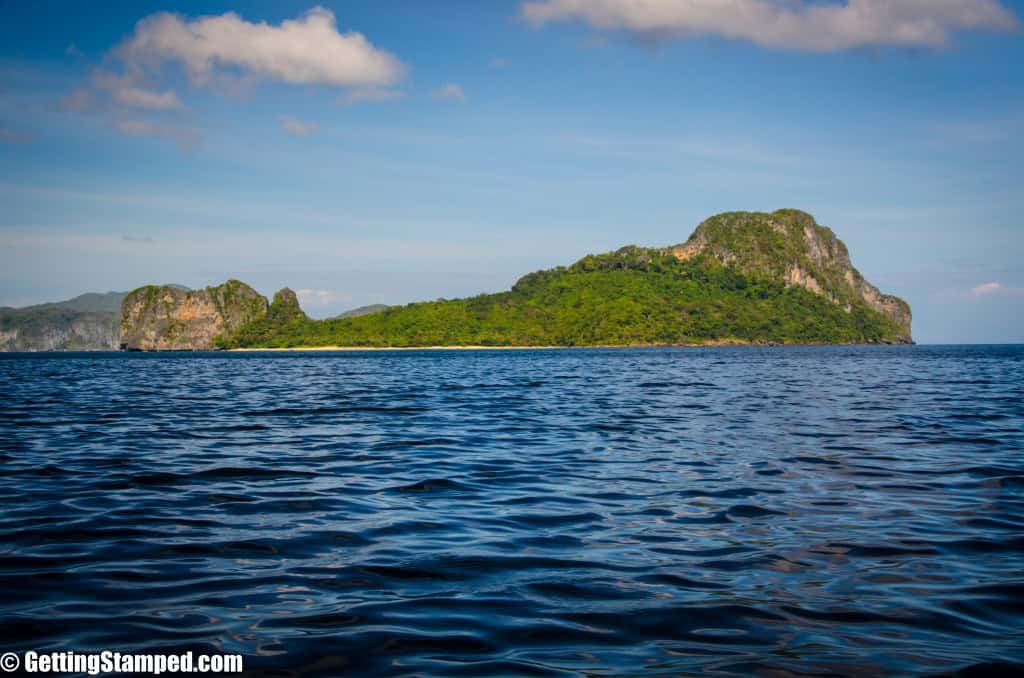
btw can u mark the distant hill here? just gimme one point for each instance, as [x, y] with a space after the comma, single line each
[88, 322]
[741, 277]
[363, 310]
[91, 302]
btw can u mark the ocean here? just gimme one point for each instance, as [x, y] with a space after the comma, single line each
[579, 512]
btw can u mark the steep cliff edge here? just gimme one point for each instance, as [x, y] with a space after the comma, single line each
[789, 245]
[166, 318]
[88, 322]
[57, 329]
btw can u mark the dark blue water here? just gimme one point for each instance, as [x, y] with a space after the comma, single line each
[584, 512]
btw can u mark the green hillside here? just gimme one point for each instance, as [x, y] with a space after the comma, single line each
[629, 297]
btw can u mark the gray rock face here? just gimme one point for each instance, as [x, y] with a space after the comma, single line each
[88, 322]
[56, 329]
[167, 318]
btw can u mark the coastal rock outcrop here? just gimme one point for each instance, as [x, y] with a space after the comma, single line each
[167, 318]
[285, 307]
[789, 245]
[88, 322]
[58, 330]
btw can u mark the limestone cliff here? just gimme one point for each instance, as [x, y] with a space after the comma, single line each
[57, 330]
[166, 318]
[86, 323]
[789, 245]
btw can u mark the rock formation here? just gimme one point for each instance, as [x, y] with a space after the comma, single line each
[86, 323]
[789, 245]
[167, 318]
[285, 307]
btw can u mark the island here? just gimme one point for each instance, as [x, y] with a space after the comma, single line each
[740, 278]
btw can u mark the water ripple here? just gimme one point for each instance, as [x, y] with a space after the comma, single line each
[736, 511]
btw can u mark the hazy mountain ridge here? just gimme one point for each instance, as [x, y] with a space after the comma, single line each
[363, 310]
[86, 322]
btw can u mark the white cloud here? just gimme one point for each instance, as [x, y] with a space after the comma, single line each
[228, 51]
[794, 25]
[369, 94]
[995, 288]
[450, 91]
[134, 97]
[308, 50]
[124, 90]
[315, 297]
[185, 138]
[987, 288]
[297, 127]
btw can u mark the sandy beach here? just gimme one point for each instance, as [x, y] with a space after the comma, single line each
[401, 348]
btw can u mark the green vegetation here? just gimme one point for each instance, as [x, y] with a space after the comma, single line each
[771, 245]
[629, 297]
[284, 317]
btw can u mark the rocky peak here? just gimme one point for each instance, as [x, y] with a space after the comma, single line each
[168, 318]
[285, 307]
[789, 245]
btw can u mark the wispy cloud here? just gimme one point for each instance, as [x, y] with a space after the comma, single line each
[792, 25]
[298, 127]
[450, 91]
[369, 94]
[315, 297]
[134, 97]
[223, 51]
[187, 139]
[80, 100]
[990, 289]
[142, 240]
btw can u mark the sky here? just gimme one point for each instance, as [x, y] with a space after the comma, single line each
[401, 150]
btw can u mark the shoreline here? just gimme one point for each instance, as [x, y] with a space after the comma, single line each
[399, 348]
[471, 347]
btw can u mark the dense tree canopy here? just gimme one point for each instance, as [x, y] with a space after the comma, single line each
[629, 297]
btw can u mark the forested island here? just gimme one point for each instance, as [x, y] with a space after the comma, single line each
[741, 277]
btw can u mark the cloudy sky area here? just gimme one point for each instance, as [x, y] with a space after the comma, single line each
[392, 151]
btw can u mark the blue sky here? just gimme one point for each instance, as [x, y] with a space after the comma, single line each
[461, 145]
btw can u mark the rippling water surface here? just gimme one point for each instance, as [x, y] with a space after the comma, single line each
[580, 512]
